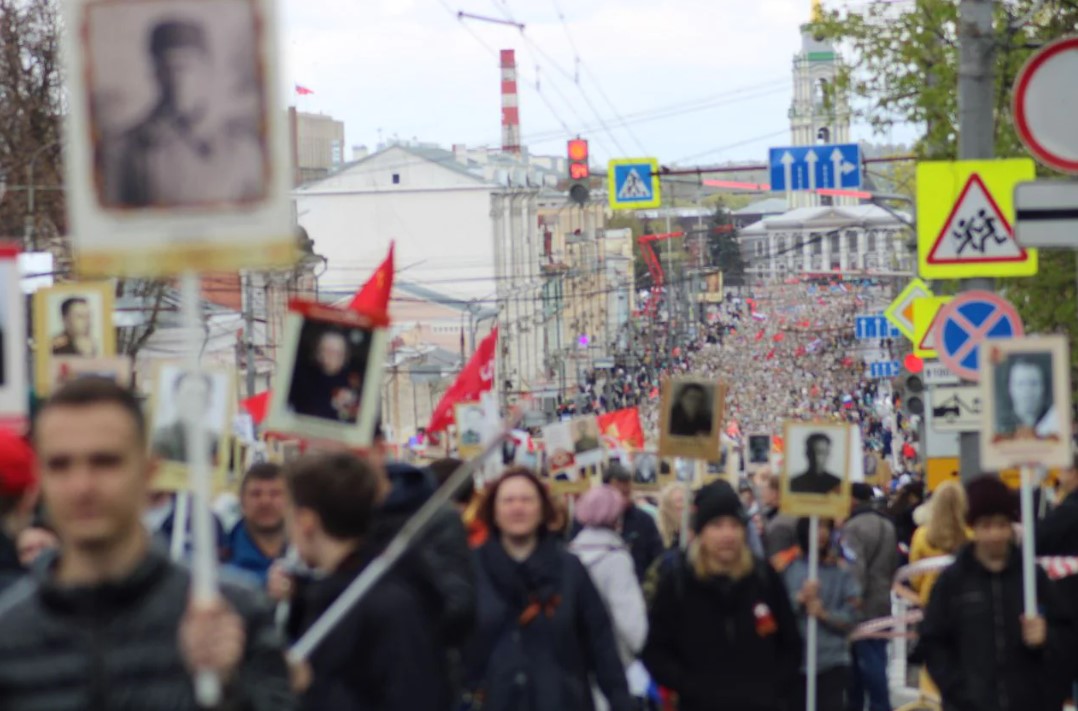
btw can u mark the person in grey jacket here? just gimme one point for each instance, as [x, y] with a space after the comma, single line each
[871, 547]
[109, 623]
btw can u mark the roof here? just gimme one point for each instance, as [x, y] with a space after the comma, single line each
[419, 292]
[822, 217]
[767, 206]
[439, 156]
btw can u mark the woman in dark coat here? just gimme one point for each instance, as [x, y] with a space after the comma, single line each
[542, 628]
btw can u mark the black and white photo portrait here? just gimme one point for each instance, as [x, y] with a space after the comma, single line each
[816, 476]
[646, 470]
[176, 389]
[72, 320]
[585, 436]
[177, 100]
[759, 448]
[329, 372]
[691, 418]
[1026, 402]
[470, 422]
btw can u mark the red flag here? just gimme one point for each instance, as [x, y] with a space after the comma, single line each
[770, 354]
[805, 324]
[476, 379]
[779, 337]
[752, 305]
[623, 425]
[373, 297]
[257, 406]
[760, 335]
[303, 91]
[800, 351]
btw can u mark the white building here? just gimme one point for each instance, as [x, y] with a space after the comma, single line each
[814, 240]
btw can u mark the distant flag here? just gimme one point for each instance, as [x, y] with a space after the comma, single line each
[374, 295]
[779, 337]
[758, 316]
[770, 354]
[303, 91]
[760, 335]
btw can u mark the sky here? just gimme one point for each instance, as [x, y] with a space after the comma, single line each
[410, 69]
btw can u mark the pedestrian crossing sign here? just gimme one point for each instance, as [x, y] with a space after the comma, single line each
[965, 218]
[633, 183]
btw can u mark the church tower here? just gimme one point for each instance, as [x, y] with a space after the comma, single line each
[818, 114]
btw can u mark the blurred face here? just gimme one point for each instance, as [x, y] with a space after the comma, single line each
[993, 535]
[723, 540]
[518, 510]
[819, 453]
[263, 504]
[1026, 387]
[332, 353]
[692, 401]
[95, 474]
[183, 73]
[77, 321]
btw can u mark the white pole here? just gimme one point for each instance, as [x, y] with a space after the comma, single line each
[1029, 576]
[180, 512]
[685, 510]
[204, 561]
[811, 632]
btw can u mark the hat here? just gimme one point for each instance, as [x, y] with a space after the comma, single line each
[989, 496]
[716, 500]
[862, 492]
[177, 33]
[17, 465]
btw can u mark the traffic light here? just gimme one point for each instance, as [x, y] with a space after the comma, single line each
[913, 393]
[579, 172]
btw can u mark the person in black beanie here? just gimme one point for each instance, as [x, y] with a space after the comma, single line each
[722, 631]
[978, 645]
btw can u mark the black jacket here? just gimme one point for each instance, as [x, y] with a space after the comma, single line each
[716, 645]
[971, 639]
[114, 647]
[383, 656]
[10, 568]
[542, 631]
[1057, 534]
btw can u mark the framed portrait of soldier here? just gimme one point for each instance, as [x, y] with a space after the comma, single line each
[176, 150]
[14, 395]
[567, 474]
[68, 368]
[211, 392]
[1026, 391]
[645, 469]
[691, 418]
[330, 375]
[758, 449]
[72, 321]
[816, 477]
[470, 420]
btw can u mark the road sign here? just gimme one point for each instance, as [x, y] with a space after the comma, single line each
[633, 183]
[867, 327]
[884, 369]
[812, 167]
[956, 409]
[1046, 214]
[900, 312]
[1045, 104]
[965, 210]
[924, 313]
[936, 373]
[970, 319]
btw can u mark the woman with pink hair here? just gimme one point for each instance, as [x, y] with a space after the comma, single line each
[601, 549]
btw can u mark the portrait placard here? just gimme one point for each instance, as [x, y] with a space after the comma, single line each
[213, 392]
[471, 422]
[176, 152]
[73, 320]
[691, 418]
[645, 472]
[816, 480]
[68, 368]
[572, 449]
[758, 449]
[1026, 396]
[330, 375]
[14, 393]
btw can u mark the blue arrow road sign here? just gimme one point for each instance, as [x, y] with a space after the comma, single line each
[812, 167]
[875, 326]
[884, 369]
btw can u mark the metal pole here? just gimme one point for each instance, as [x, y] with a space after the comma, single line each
[249, 333]
[976, 140]
[812, 627]
[1029, 574]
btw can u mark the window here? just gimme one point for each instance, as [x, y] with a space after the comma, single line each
[834, 245]
[871, 241]
[396, 178]
[851, 242]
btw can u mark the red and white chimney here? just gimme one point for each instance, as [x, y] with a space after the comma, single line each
[510, 103]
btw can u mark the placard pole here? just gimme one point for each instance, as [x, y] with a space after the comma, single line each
[181, 509]
[204, 591]
[1029, 562]
[812, 628]
[685, 510]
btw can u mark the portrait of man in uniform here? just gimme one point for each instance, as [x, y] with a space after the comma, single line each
[186, 389]
[187, 129]
[76, 338]
[816, 479]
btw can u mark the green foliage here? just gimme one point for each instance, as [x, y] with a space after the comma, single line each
[725, 249]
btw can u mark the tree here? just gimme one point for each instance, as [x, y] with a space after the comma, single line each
[725, 247]
[902, 67]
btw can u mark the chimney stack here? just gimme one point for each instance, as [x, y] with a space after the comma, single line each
[510, 103]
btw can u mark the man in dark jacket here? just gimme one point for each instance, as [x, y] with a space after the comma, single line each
[638, 528]
[1057, 534]
[384, 655]
[109, 623]
[18, 497]
[979, 647]
[722, 633]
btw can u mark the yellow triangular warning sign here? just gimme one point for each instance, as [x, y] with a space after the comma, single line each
[976, 231]
[928, 341]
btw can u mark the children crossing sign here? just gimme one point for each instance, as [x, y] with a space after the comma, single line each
[633, 184]
[965, 213]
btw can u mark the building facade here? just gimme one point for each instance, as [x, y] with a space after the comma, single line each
[319, 145]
